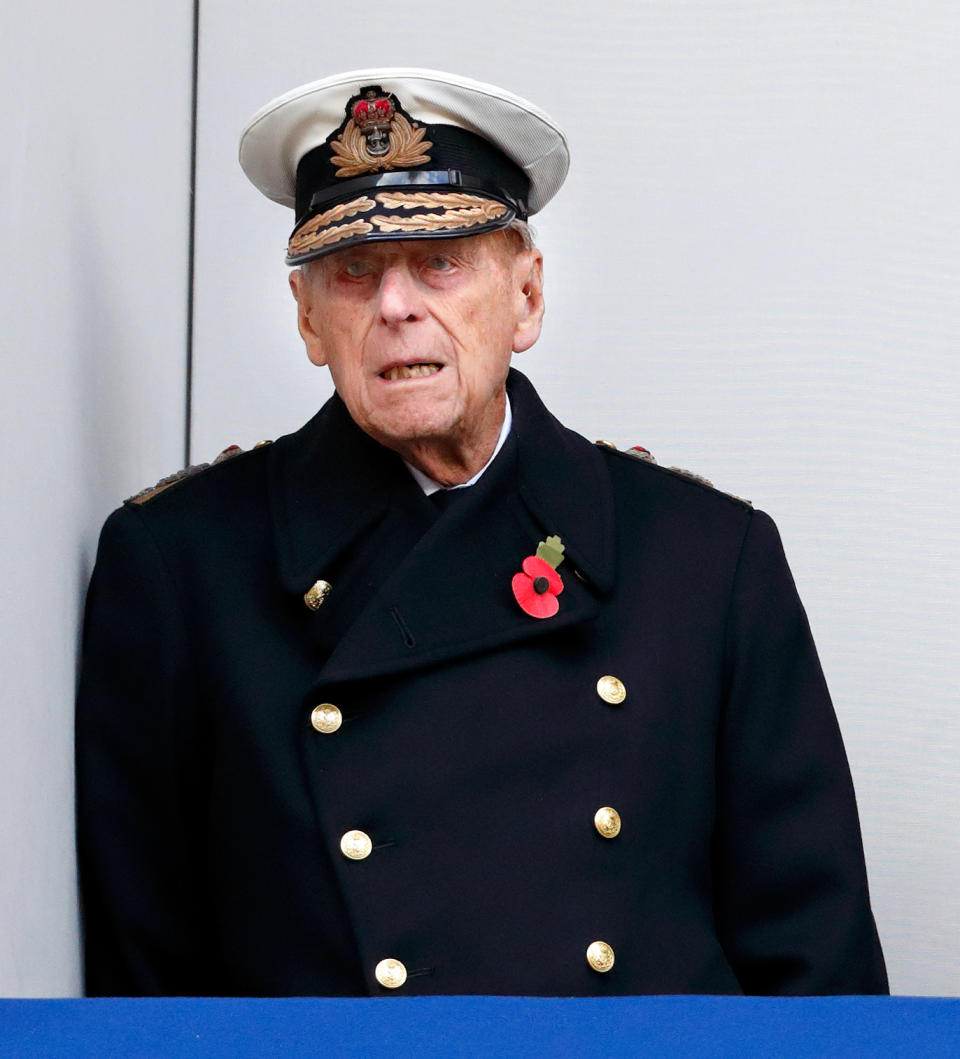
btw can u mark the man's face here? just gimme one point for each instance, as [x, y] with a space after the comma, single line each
[418, 334]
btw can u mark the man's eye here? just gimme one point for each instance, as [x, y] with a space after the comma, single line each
[356, 269]
[439, 264]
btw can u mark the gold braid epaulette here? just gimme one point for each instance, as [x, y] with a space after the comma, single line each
[188, 472]
[638, 452]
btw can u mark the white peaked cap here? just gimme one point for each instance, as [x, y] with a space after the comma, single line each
[282, 132]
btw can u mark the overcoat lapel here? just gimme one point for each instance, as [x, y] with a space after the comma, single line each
[329, 483]
[451, 595]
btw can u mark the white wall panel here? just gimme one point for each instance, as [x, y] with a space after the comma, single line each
[95, 195]
[752, 270]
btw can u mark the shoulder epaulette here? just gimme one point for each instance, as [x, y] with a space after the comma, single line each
[188, 472]
[638, 452]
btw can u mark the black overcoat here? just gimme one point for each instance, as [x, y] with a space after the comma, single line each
[475, 748]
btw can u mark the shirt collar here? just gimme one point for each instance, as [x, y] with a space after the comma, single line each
[428, 485]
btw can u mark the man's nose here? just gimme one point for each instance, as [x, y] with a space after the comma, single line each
[400, 298]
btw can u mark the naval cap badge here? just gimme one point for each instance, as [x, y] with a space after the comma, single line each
[377, 135]
[373, 116]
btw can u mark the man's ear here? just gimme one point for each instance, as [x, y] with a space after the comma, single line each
[528, 277]
[302, 290]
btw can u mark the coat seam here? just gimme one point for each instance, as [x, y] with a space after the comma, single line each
[727, 665]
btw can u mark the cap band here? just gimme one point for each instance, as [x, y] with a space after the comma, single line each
[414, 178]
[451, 149]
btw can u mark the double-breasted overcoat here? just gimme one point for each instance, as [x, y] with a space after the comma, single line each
[474, 749]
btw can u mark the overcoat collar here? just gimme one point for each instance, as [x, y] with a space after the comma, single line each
[330, 483]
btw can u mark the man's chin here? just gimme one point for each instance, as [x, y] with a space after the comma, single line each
[412, 430]
[413, 417]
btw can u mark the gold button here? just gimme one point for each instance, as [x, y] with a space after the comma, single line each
[600, 956]
[260, 444]
[326, 718]
[607, 822]
[611, 690]
[316, 594]
[355, 845]
[391, 973]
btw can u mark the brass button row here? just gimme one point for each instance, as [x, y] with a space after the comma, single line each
[392, 974]
[327, 718]
[606, 820]
[357, 845]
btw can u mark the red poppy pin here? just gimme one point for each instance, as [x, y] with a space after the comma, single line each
[537, 587]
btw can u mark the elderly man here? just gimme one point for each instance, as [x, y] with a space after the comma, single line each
[433, 695]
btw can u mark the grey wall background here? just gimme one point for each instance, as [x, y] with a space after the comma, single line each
[752, 270]
[95, 125]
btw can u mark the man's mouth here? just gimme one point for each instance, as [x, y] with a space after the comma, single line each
[410, 371]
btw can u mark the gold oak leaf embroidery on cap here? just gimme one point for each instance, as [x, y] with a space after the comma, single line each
[409, 200]
[307, 239]
[432, 222]
[331, 235]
